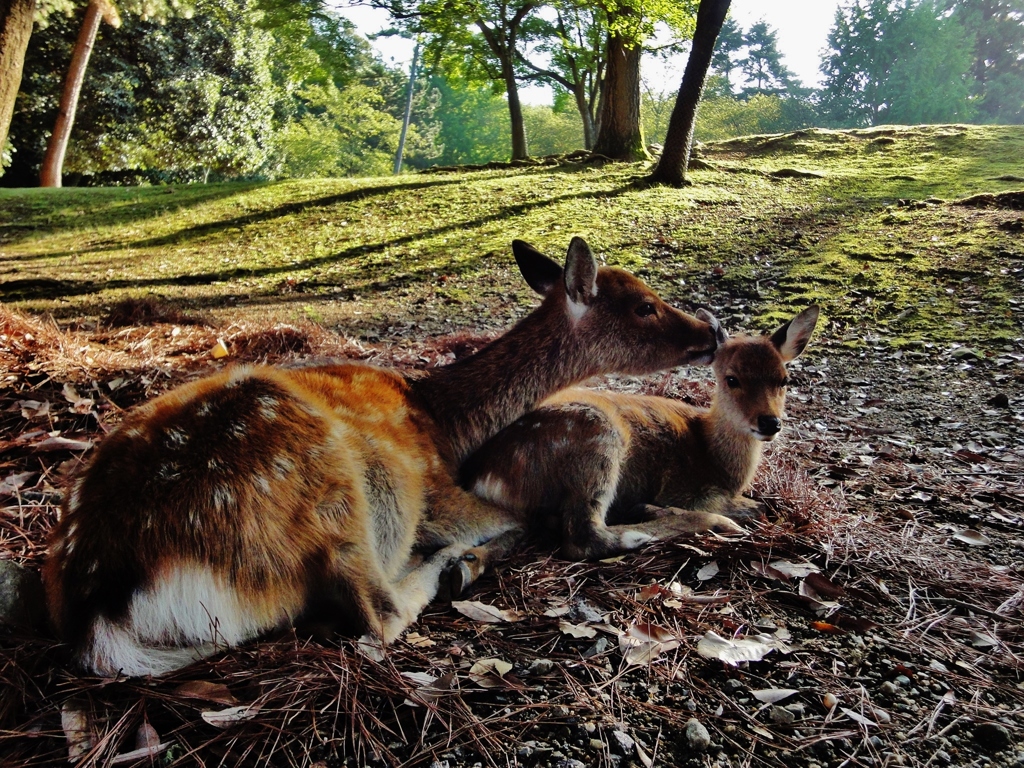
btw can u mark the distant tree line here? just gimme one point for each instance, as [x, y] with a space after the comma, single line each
[196, 90]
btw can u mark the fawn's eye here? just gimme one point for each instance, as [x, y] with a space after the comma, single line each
[732, 381]
[646, 309]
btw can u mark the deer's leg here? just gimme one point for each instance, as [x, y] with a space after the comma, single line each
[622, 538]
[475, 562]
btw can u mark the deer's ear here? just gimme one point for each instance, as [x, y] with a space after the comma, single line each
[580, 272]
[721, 335]
[540, 272]
[792, 338]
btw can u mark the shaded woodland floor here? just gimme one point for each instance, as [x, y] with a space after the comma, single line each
[885, 584]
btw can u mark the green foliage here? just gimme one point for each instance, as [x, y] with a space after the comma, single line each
[342, 133]
[996, 30]
[473, 123]
[762, 66]
[890, 62]
[724, 117]
[552, 132]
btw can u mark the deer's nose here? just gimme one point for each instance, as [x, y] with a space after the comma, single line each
[768, 425]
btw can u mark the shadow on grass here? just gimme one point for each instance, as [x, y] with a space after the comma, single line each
[40, 288]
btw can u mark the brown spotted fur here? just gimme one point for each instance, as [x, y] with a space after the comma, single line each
[259, 496]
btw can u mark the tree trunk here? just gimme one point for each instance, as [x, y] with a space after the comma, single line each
[16, 18]
[621, 136]
[515, 112]
[53, 162]
[675, 158]
[583, 106]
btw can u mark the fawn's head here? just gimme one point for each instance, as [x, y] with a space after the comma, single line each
[751, 374]
[617, 320]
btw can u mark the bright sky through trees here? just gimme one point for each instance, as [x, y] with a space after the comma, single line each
[802, 27]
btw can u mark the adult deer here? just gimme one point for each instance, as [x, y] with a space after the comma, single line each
[616, 471]
[260, 496]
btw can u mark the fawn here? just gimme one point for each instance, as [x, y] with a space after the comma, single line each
[617, 471]
[260, 496]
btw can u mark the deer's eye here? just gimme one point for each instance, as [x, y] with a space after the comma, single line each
[732, 381]
[646, 309]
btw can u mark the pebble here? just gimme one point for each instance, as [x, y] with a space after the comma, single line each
[697, 735]
[943, 757]
[992, 736]
[1000, 400]
[624, 742]
[732, 685]
[21, 596]
[540, 667]
[781, 715]
[902, 680]
[570, 763]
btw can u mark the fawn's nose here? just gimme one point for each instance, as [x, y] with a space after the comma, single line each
[768, 425]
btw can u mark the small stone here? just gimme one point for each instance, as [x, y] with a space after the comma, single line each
[876, 742]
[570, 763]
[540, 667]
[732, 685]
[697, 735]
[1000, 400]
[902, 680]
[888, 688]
[624, 743]
[943, 757]
[781, 715]
[992, 736]
[796, 708]
[597, 744]
[21, 596]
[965, 353]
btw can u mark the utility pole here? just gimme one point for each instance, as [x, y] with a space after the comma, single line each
[408, 108]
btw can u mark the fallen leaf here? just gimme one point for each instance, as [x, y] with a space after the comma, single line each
[642, 643]
[430, 688]
[416, 640]
[204, 690]
[225, 718]
[772, 695]
[983, 639]
[709, 571]
[648, 593]
[12, 483]
[824, 626]
[794, 570]
[557, 610]
[489, 614]
[576, 630]
[714, 646]
[62, 444]
[370, 647]
[766, 571]
[141, 753]
[972, 537]
[823, 586]
[856, 717]
[33, 409]
[219, 350]
[488, 673]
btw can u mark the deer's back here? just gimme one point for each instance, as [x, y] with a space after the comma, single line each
[250, 478]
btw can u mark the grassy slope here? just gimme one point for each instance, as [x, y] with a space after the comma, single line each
[371, 255]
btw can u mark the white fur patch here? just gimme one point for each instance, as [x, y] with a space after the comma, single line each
[239, 374]
[188, 613]
[576, 310]
[635, 539]
[491, 488]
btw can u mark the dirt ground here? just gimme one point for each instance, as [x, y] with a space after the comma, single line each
[885, 582]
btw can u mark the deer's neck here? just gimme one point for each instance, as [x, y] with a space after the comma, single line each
[735, 452]
[475, 398]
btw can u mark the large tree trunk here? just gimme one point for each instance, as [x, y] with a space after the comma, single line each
[51, 172]
[675, 158]
[621, 136]
[16, 18]
[520, 151]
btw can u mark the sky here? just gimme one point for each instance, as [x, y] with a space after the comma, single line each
[802, 27]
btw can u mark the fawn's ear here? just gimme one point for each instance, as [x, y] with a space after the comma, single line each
[792, 338]
[721, 335]
[540, 272]
[580, 272]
